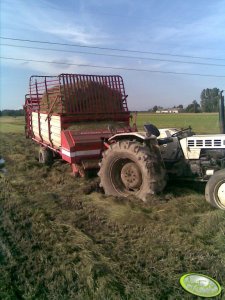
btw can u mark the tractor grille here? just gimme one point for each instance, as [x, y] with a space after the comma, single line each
[206, 142]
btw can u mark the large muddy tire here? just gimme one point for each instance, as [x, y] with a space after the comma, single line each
[215, 190]
[45, 156]
[129, 168]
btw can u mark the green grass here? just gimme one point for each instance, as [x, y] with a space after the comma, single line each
[200, 123]
[61, 239]
[12, 124]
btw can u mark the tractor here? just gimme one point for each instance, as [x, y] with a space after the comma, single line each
[192, 157]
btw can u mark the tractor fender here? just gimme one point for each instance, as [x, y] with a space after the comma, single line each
[138, 136]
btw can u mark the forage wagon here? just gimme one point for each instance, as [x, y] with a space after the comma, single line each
[84, 119]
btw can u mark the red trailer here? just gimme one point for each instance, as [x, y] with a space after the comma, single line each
[85, 120]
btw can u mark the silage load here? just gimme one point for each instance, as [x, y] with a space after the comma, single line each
[82, 97]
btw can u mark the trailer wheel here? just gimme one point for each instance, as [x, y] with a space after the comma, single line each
[45, 156]
[129, 168]
[215, 190]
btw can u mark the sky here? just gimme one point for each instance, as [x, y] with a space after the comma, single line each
[163, 49]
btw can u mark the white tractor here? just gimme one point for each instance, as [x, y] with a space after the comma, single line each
[197, 157]
[139, 163]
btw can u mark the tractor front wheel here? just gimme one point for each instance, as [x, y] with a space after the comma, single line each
[129, 168]
[215, 190]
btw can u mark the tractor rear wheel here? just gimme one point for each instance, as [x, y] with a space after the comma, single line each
[129, 168]
[215, 190]
[45, 156]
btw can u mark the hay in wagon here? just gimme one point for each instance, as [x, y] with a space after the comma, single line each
[82, 97]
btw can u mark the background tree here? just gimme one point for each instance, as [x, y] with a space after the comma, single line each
[12, 112]
[155, 108]
[194, 107]
[210, 100]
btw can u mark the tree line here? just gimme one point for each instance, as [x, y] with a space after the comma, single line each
[12, 112]
[209, 102]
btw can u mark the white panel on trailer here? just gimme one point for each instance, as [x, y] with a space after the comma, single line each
[55, 128]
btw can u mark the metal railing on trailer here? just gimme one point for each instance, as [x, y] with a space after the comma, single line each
[75, 94]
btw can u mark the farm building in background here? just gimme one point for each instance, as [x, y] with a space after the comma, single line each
[169, 110]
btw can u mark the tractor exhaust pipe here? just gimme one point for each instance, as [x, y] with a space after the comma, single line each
[221, 113]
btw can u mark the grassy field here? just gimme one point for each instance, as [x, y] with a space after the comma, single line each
[200, 123]
[12, 124]
[62, 238]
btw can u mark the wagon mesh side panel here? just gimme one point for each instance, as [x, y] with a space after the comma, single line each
[93, 93]
[78, 94]
[45, 91]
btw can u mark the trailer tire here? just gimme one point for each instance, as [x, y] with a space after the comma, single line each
[45, 156]
[129, 168]
[215, 190]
